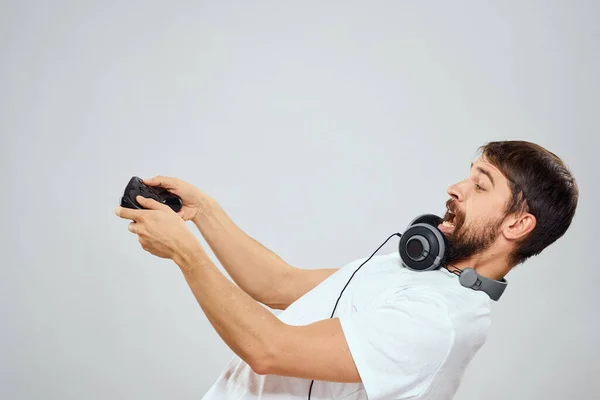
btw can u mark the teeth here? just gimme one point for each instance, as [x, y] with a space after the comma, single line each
[448, 224]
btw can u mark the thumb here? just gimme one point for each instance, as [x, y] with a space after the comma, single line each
[151, 204]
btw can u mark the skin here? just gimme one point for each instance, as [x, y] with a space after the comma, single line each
[269, 346]
[316, 351]
[480, 200]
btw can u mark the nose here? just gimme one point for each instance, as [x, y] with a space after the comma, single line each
[455, 191]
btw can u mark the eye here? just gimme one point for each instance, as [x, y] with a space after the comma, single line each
[479, 187]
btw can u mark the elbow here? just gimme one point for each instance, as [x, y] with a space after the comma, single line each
[265, 356]
[262, 364]
[260, 368]
[264, 360]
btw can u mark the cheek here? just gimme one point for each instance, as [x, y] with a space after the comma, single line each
[472, 223]
[468, 220]
[481, 223]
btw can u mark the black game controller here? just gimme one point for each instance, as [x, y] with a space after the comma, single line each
[137, 187]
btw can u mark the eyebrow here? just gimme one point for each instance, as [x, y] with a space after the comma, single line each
[486, 173]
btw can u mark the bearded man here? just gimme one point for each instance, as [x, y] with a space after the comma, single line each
[396, 333]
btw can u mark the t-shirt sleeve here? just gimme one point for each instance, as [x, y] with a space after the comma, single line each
[398, 344]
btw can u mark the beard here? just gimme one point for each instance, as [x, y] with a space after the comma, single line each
[466, 241]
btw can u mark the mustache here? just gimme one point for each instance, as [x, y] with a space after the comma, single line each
[451, 205]
[454, 214]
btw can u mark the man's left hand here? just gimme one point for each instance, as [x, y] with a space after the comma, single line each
[161, 230]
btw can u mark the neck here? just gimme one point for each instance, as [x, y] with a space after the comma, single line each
[492, 266]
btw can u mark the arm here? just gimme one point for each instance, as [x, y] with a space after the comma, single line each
[254, 268]
[299, 281]
[257, 336]
[257, 270]
[316, 351]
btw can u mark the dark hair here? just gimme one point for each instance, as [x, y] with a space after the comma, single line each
[542, 185]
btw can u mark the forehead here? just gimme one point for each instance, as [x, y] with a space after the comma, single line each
[486, 165]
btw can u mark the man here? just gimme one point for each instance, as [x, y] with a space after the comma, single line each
[396, 333]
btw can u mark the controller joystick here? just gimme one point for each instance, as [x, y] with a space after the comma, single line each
[136, 186]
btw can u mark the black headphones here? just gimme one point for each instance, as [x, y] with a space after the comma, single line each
[423, 247]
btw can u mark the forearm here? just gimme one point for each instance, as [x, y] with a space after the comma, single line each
[254, 268]
[244, 325]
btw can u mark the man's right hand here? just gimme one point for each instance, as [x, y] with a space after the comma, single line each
[191, 197]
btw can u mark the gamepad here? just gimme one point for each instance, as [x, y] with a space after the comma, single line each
[136, 186]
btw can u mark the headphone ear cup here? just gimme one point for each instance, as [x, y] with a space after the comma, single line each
[433, 220]
[430, 219]
[423, 246]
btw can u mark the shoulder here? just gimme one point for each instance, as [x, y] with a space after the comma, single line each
[417, 314]
[432, 313]
[399, 342]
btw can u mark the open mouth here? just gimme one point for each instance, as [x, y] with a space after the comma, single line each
[450, 219]
[449, 222]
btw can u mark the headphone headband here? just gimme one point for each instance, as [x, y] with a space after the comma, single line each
[469, 278]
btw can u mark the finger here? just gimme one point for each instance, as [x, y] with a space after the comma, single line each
[165, 182]
[133, 227]
[129, 213]
[151, 204]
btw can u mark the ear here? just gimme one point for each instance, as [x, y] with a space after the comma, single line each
[519, 226]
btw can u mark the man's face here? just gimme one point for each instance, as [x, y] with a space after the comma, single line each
[475, 212]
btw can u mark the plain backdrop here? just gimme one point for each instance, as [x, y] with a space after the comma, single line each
[320, 127]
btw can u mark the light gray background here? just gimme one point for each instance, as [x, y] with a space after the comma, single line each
[320, 127]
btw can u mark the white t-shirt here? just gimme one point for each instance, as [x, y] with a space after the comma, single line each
[411, 335]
